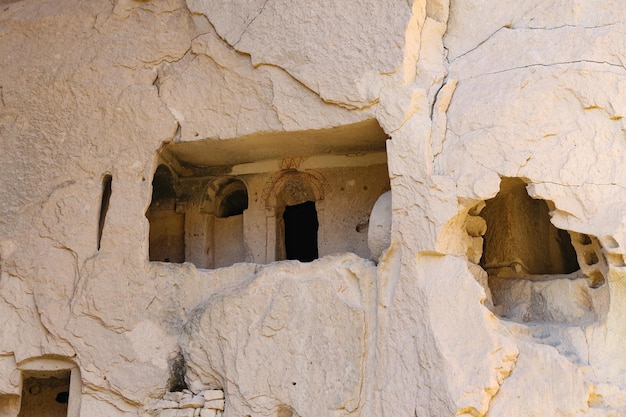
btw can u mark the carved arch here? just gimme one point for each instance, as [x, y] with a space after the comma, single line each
[218, 190]
[274, 186]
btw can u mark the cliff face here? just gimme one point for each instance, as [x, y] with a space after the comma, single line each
[195, 197]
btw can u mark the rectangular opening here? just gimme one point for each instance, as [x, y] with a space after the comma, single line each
[45, 394]
[301, 231]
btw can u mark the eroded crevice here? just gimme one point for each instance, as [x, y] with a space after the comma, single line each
[340, 104]
[505, 373]
[157, 84]
[585, 184]
[494, 33]
[513, 27]
[554, 64]
[243, 32]
[171, 67]
[104, 205]
[176, 381]
[436, 98]
[314, 89]
[549, 28]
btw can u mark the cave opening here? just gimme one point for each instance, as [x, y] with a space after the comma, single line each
[520, 235]
[301, 226]
[45, 394]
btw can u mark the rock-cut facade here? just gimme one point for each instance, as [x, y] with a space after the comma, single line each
[294, 209]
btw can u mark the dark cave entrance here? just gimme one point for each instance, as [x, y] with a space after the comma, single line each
[301, 231]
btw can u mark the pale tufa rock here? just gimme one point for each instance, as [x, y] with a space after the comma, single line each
[468, 92]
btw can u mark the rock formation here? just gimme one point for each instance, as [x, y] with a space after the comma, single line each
[296, 209]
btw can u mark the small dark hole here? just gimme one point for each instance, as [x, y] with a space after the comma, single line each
[362, 227]
[176, 381]
[62, 397]
[293, 383]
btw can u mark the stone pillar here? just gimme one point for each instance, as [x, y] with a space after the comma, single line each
[323, 225]
[271, 235]
[198, 237]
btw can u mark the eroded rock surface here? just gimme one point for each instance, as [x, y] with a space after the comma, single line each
[321, 313]
[329, 105]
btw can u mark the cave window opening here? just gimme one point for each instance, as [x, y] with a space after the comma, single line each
[520, 236]
[167, 222]
[301, 227]
[104, 204]
[537, 273]
[45, 394]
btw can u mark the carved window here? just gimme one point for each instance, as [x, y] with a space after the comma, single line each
[520, 238]
[50, 387]
[45, 394]
[537, 272]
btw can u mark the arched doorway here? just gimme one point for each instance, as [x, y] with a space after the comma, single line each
[294, 203]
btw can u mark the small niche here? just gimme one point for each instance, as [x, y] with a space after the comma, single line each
[45, 394]
[301, 231]
[536, 272]
[167, 222]
[104, 204]
[234, 199]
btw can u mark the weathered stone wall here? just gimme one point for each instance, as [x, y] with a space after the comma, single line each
[467, 93]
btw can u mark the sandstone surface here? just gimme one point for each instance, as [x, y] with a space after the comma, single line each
[458, 168]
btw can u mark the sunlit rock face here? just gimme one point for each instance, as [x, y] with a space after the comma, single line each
[293, 209]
